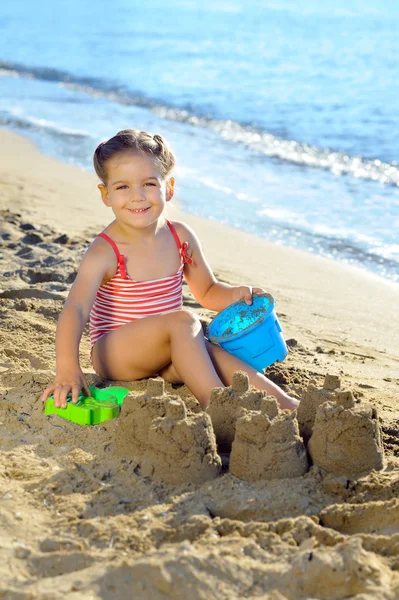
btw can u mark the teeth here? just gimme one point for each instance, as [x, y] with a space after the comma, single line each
[138, 209]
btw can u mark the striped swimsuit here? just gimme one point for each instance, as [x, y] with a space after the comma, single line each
[122, 299]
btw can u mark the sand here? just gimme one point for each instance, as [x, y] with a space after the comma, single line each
[100, 512]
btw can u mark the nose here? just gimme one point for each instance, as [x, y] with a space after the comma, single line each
[137, 194]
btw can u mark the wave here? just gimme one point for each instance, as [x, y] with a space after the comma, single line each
[379, 260]
[257, 139]
[10, 119]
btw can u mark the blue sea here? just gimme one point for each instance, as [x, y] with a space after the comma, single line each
[283, 114]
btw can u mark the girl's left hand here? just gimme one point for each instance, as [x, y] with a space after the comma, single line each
[244, 292]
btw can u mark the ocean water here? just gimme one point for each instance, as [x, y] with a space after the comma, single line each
[283, 115]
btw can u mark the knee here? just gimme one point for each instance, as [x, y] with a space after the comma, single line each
[186, 319]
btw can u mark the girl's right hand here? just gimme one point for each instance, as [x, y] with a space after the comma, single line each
[66, 381]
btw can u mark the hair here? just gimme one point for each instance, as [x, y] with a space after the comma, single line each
[135, 141]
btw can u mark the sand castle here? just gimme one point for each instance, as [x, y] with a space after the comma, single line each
[343, 437]
[346, 441]
[267, 448]
[264, 442]
[170, 443]
[166, 442]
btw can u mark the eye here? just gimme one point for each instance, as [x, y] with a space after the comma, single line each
[121, 187]
[150, 183]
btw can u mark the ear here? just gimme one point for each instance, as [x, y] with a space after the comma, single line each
[104, 194]
[170, 189]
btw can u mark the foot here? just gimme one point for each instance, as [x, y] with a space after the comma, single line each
[286, 401]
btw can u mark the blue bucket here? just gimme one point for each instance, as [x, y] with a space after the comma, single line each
[250, 332]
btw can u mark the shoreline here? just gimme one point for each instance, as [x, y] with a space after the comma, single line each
[176, 206]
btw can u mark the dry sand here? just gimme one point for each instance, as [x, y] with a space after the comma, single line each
[90, 512]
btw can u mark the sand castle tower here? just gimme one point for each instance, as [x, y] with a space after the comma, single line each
[166, 442]
[226, 404]
[342, 436]
[346, 439]
[267, 448]
[312, 399]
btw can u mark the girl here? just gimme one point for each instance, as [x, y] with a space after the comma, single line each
[130, 284]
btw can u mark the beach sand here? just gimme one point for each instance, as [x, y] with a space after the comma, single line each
[83, 515]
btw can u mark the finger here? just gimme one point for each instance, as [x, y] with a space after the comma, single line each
[59, 396]
[86, 389]
[57, 391]
[248, 296]
[75, 393]
[47, 393]
[256, 290]
[63, 395]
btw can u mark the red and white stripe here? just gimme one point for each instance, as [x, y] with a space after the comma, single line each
[122, 299]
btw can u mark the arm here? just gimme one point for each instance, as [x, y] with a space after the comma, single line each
[97, 262]
[210, 293]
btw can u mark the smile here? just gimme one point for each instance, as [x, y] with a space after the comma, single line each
[138, 210]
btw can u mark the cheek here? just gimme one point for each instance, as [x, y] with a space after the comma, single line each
[119, 196]
[156, 194]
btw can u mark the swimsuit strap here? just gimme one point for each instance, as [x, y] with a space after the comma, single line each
[120, 257]
[173, 230]
[111, 242]
[182, 247]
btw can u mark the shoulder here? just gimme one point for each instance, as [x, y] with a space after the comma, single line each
[100, 256]
[186, 233]
[100, 247]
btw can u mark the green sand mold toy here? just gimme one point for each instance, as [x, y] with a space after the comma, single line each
[102, 405]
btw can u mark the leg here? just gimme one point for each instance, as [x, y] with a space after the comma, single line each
[146, 346]
[227, 364]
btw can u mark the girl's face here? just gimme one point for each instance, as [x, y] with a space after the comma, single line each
[135, 189]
